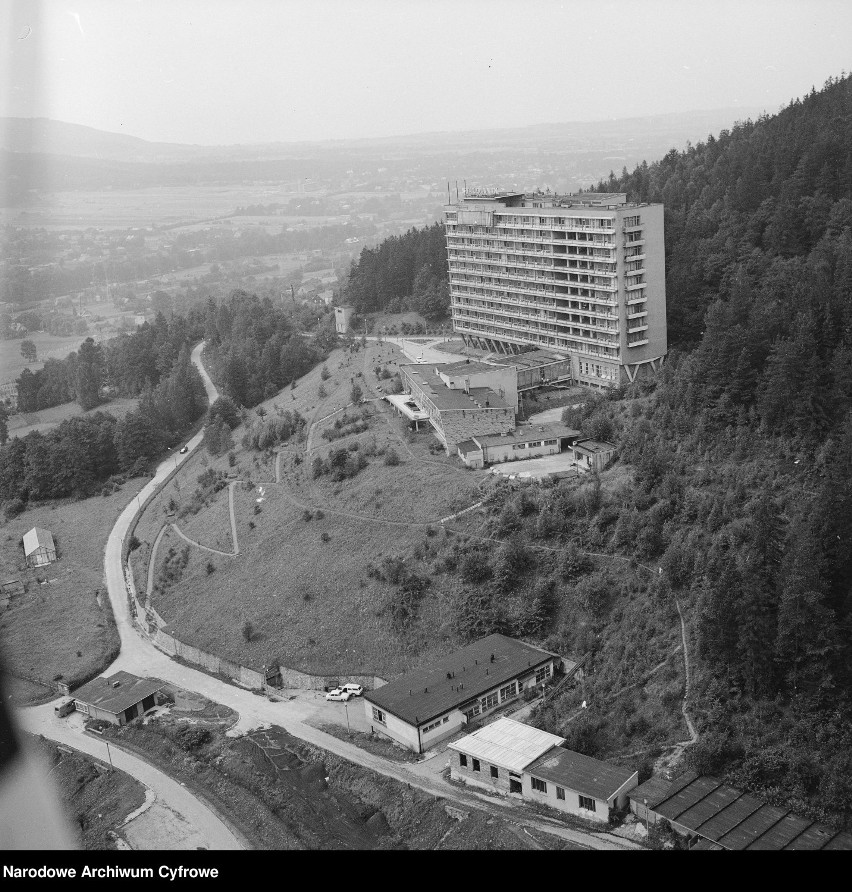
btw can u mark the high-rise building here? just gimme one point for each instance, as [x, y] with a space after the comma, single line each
[578, 275]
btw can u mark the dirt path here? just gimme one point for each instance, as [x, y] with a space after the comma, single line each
[152, 561]
[189, 541]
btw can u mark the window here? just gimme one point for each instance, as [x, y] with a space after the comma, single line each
[379, 716]
[489, 702]
[539, 785]
[494, 771]
[560, 793]
[476, 764]
[587, 803]
[542, 674]
[463, 760]
[509, 691]
[471, 713]
[432, 726]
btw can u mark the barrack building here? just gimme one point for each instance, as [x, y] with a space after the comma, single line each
[579, 275]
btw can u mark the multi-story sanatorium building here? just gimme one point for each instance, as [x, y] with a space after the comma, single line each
[581, 275]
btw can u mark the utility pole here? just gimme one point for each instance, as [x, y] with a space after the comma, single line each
[109, 756]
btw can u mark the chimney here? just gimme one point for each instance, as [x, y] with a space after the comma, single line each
[492, 658]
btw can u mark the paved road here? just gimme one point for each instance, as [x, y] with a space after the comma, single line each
[206, 828]
[140, 656]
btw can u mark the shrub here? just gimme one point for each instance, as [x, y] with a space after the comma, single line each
[307, 515]
[325, 374]
[14, 508]
[134, 543]
[211, 567]
[391, 457]
[248, 631]
[325, 537]
[318, 514]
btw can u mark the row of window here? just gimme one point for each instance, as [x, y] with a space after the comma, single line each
[540, 786]
[436, 724]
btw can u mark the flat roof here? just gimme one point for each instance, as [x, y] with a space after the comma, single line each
[530, 360]
[468, 366]
[421, 694]
[448, 398]
[594, 446]
[468, 446]
[580, 773]
[101, 692]
[404, 403]
[528, 433]
[507, 743]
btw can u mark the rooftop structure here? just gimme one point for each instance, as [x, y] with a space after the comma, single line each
[511, 745]
[582, 275]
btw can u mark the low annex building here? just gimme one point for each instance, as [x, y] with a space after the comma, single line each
[118, 699]
[39, 547]
[457, 407]
[425, 706]
[578, 784]
[526, 441]
[718, 816]
[495, 756]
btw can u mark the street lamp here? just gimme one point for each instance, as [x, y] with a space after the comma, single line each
[348, 730]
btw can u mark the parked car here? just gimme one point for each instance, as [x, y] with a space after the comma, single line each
[355, 690]
[184, 450]
[338, 694]
[64, 708]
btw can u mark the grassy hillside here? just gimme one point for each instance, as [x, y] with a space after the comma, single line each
[308, 573]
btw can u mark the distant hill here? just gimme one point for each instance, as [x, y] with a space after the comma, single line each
[46, 136]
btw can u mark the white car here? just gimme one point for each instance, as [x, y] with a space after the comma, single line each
[338, 694]
[354, 690]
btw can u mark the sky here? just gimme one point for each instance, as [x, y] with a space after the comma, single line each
[247, 71]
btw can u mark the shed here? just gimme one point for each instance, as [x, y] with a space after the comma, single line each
[119, 698]
[495, 756]
[578, 784]
[39, 547]
[593, 455]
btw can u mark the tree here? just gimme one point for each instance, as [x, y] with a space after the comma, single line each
[4, 425]
[136, 436]
[28, 351]
[226, 410]
[356, 394]
[89, 373]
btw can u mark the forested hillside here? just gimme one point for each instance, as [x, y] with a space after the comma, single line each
[732, 493]
[406, 272]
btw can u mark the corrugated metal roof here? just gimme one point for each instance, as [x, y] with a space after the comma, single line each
[676, 805]
[131, 689]
[580, 773]
[743, 835]
[841, 842]
[707, 808]
[507, 743]
[38, 538]
[732, 815]
[457, 679]
[780, 834]
[815, 837]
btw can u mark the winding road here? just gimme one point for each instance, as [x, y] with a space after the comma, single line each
[140, 656]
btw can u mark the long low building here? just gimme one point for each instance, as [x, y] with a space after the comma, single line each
[425, 706]
[719, 816]
[526, 441]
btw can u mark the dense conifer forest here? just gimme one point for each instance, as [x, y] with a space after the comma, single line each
[406, 272]
[731, 496]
